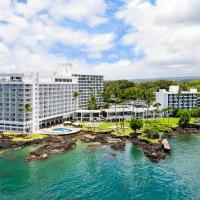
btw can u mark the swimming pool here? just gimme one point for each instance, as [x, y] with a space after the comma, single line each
[62, 130]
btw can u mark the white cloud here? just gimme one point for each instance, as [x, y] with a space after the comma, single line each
[168, 33]
[84, 11]
[90, 11]
[32, 7]
[27, 34]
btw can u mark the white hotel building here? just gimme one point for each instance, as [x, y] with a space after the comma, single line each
[50, 98]
[175, 98]
[85, 82]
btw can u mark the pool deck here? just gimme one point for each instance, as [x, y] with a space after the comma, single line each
[49, 131]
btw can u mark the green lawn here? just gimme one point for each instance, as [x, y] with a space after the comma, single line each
[16, 137]
[144, 137]
[161, 124]
[105, 126]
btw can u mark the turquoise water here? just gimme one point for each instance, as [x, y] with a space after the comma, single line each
[62, 130]
[80, 175]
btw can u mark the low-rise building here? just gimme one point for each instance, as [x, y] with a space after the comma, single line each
[177, 99]
[114, 114]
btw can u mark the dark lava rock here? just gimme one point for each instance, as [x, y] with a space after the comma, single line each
[120, 146]
[112, 155]
[37, 155]
[183, 131]
[87, 138]
[93, 147]
[102, 138]
[55, 146]
[2, 153]
[154, 151]
[7, 142]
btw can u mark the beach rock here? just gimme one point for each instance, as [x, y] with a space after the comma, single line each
[112, 155]
[102, 138]
[37, 155]
[183, 131]
[93, 147]
[2, 153]
[7, 142]
[87, 138]
[154, 151]
[54, 146]
[120, 146]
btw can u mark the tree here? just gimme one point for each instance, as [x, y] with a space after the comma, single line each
[116, 101]
[185, 118]
[122, 99]
[195, 112]
[132, 93]
[75, 97]
[157, 105]
[168, 110]
[27, 109]
[148, 96]
[136, 123]
[92, 104]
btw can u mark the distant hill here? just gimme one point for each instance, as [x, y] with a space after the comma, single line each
[179, 79]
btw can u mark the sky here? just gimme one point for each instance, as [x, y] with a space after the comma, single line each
[120, 39]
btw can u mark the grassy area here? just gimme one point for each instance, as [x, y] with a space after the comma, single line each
[171, 122]
[26, 138]
[161, 124]
[102, 126]
[105, 126]
[144, 137]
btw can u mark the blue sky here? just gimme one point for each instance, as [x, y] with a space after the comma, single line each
[117, 38]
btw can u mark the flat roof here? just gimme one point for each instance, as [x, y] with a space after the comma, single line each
[112, 110]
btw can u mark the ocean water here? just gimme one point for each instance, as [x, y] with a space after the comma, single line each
[83, 175]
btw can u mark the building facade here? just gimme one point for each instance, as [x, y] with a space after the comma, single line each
[119, 113]
[177, 99]
[89, 84]
[50, 100]
[198, 101]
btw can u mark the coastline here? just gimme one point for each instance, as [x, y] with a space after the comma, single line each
[54, 144]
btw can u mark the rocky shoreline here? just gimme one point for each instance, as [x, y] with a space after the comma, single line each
[186, 131]
[61, 144]
[8, 142]
[154, 151]
[55, 145]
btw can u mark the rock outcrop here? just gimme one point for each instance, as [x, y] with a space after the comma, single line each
[154, 151]
[119, 146]
[55, 145]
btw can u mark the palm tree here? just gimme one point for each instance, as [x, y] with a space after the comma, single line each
[92, 101]
[122, 98]
[148, 95]
[168, 110]
[157, 105]
[27, 109]
[123, 121]
[116, 100]
[75, 97]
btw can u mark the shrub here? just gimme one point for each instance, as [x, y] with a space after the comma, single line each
[185, 118]
[136, 123]
[155, 128]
